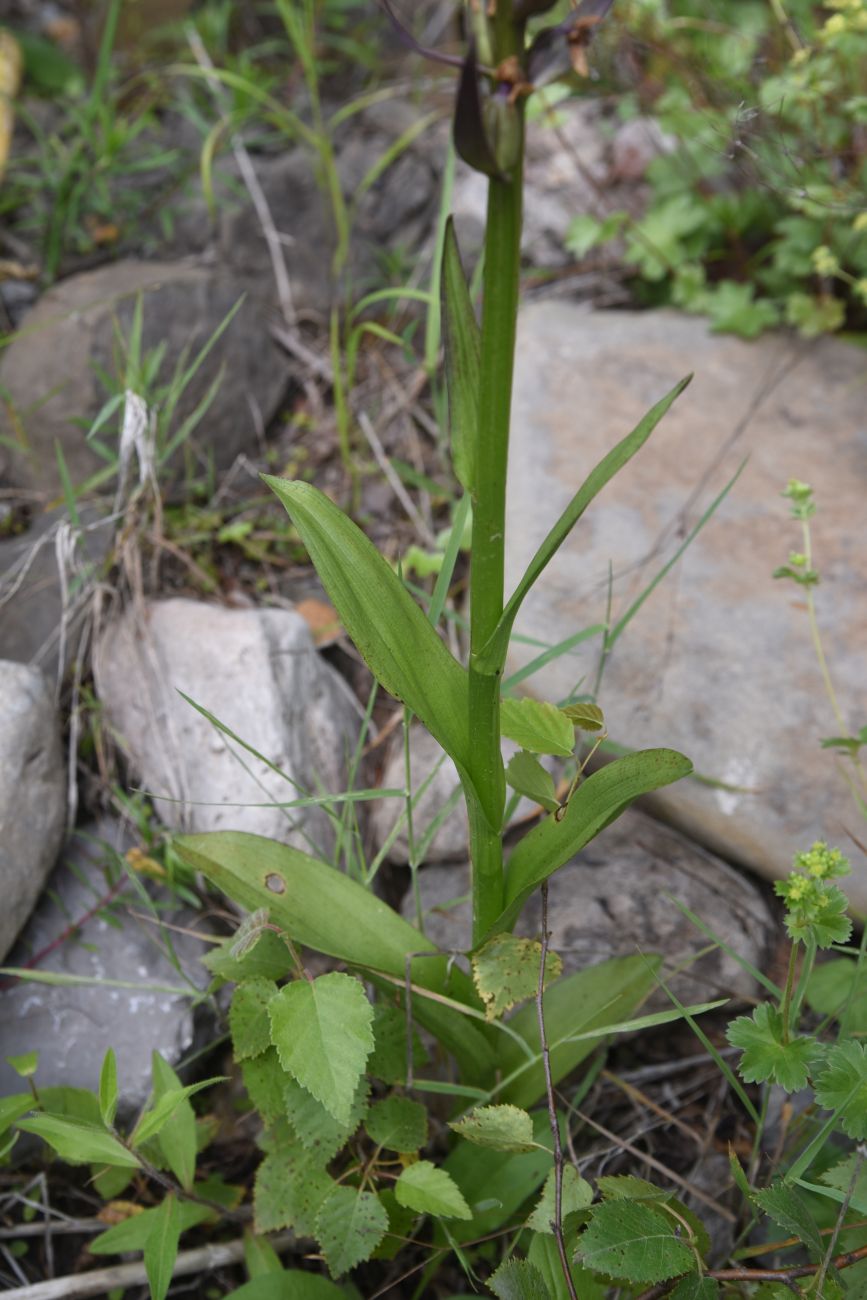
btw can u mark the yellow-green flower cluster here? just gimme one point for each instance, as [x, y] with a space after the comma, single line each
[824, 261]
[816, 909]
[851, 16]
[822, 863]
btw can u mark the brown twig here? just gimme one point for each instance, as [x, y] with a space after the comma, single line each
[557, 1223]
[786, 1276]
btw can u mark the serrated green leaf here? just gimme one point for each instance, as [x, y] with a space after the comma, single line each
[248, 1018]
[764, 1053]
[506, 971]
[841, 1175]
[323, 909]
[132, 1233]
[316, 1128]
[178, 1139]
[528, 777]
[493, 655]
[518, 1279]
[537, 726]
[631, 1241]
[265, 1081]
[400, 1223]
[108, 1088]
[462, 342]
[839, 988]
[543, 1254]
[694, 1287]
[788, 1209]
[260, 1257]
[349, 1227]
[268, 958]
[322, 1030]
[389, 629]
[593, 806]
[587, 717]
[25, 1065]
[398, 1124]
[842, 1086]
[626, 1187]
[388, 1061]
[290, 1187]
[505, 1128]
[577, 1195]
[79, 1143]
[498, 1185]
[428, 1190]
[161, 1247]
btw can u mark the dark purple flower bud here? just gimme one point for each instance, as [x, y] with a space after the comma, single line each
[471, 136]
[563, 48]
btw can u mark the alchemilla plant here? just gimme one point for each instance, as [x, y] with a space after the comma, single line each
[410, 1100]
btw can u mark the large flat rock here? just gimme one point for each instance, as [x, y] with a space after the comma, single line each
[258, 673]
[718, 663]
[32, 793]
[139, 1000]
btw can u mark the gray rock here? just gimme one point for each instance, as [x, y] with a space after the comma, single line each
[49, 379]
[73, 1026]
[256, 671]
[718, 663]
[32, 793]
[610, 901]
[429, 764]
[32, 591]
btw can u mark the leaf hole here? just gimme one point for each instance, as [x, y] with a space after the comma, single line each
[275, 883]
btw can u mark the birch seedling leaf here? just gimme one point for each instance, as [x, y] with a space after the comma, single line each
[323, 1033]
[537, 726]
[506, 971]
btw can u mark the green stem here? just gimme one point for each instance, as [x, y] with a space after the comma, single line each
[786, 1008]
[499, 319]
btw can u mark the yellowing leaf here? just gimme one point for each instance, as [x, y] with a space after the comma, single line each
[506, 971]
[505, 1128]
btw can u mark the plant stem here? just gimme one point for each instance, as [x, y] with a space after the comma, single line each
[557, 1223]
[499, 319]
[786, 1008]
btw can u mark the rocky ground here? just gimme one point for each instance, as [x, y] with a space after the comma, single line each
[110, 609]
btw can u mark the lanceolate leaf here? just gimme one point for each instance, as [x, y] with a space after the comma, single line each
[601, 799]
[78, 1142]
[392, 634]
[177, 1139]
[493, 655]
[323, 909]
[526, 775]
[161, 1247]
[462, 340]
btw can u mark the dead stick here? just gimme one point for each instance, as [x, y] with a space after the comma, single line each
[101, 1280]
